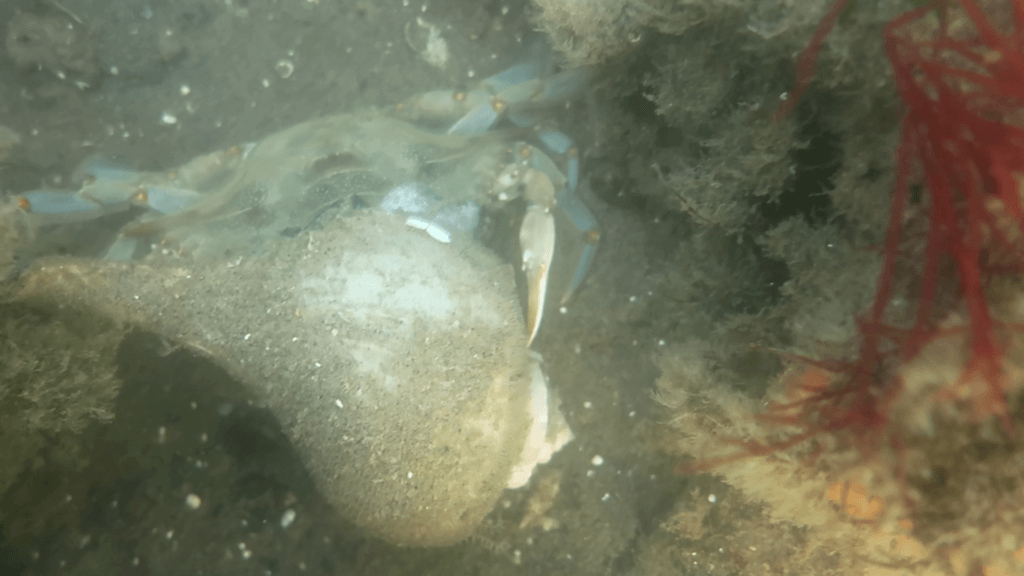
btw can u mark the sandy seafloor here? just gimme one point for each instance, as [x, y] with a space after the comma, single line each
[215, 80]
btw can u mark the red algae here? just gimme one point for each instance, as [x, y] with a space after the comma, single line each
[960, 92]
[961, 78]
[902, 453]
[808, 59]
[955, 230]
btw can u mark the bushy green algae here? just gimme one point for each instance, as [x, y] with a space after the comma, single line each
[57, 375]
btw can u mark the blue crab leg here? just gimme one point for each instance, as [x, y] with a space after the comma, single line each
[558, 141]
[179, 203]
[583, 220]
[64, 206]
[570, 206]
[539, 92]
[556, 88]
[537, 239]
[517, 74]
[514, 92]
[56, 202]
[482, 117]
[108, 189]
[477, 110]
[478, 120]
[104, 169]
[112, 188]
[165, 200]
[542, 162]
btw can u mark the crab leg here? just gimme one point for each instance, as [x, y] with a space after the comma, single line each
[534, 93]
[564, 197]
[63, 207]
[165, 200]
[111, 188]
[583, 221]
[537, 239]
[538, 180]
[515, 89]
[559, 142]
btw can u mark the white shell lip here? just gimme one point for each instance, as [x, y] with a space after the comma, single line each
[548, 433]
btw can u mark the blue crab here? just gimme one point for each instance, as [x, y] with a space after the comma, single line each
[438, 178]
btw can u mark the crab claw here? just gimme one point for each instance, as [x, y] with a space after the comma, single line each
[537, 240]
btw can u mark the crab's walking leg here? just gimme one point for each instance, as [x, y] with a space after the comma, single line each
[165, 200]
[113, 190]
[514, 93]
[524, 95]
[108, 189]
[569, 205]
[64, 206]
[516, 89]
[582, 220]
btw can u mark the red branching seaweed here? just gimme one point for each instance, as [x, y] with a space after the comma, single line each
[963, 90]
[960, 73]
[807, 60]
